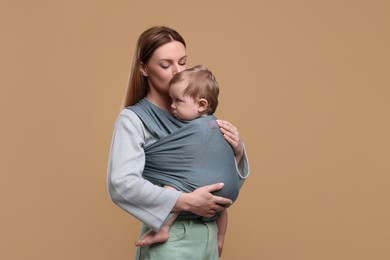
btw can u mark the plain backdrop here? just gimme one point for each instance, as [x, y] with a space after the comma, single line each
[305, 82]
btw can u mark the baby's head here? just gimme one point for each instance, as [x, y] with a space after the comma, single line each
[194, 92]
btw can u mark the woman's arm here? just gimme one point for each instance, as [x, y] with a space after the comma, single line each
[147, 202]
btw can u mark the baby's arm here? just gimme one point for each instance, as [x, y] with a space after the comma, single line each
[222, 223]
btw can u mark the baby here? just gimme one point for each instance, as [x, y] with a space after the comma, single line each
[194, 93]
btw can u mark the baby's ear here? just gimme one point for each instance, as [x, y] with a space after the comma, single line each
[202, 105]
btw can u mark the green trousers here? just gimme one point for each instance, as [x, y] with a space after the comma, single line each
[188, 240]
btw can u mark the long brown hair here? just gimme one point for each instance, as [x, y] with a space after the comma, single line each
[147, 43]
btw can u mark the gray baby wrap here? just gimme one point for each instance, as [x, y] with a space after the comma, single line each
[188, 154]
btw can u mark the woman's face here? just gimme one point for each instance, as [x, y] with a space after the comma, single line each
[165, 62]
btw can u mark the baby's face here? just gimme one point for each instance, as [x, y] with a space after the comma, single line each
[183, 106]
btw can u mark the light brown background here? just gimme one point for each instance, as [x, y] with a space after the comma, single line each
[306, 83]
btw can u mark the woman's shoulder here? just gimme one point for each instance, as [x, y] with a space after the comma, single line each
[128, 113]
[127, 116]
[128, 122]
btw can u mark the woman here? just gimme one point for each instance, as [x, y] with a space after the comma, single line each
[160, 54]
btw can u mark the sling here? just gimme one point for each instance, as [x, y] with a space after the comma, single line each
[188, 154]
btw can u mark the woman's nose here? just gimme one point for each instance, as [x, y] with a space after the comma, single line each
[180, 68]
[176, 69]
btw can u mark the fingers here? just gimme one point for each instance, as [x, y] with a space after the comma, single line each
[217, 208]
[221, 201]
[223, 123]
[233, 136]
[226, 124]
[210, 215]
[204, 203]
[230, 132]
[217, 199]
[233, 140]
[227, 127]
[214, 187]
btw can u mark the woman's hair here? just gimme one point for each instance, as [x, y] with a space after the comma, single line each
[201, 83]
[147, 43]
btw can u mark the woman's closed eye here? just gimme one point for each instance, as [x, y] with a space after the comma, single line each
[164, 65]
[183, 61]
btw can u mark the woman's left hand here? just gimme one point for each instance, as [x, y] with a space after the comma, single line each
[232, 135]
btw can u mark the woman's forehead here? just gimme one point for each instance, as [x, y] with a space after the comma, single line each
[171, 51]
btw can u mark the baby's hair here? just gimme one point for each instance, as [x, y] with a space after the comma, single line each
[201, 83]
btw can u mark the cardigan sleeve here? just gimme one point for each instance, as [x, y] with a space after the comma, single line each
[127, 188]
[243, 168]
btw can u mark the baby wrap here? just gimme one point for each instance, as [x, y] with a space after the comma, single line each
[188, 154]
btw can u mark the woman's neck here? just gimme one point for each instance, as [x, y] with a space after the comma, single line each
[163, 102]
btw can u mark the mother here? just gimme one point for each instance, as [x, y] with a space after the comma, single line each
[160, 54]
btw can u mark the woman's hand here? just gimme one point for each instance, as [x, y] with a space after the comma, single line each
[232, 135]
[201, 202]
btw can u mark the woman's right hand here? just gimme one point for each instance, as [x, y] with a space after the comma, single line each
[201, 202]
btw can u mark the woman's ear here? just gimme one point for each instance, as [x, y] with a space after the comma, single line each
[143, 70]
[202, 105]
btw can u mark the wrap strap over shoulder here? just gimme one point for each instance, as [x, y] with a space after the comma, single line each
[158, 121]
